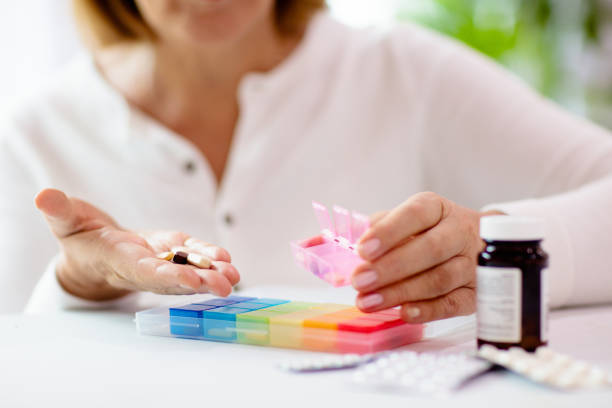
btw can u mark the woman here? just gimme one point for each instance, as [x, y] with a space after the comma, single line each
[218, 121]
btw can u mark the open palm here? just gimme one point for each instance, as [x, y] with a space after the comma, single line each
[101, 260]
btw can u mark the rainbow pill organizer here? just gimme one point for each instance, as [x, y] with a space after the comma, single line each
[332, 255]
[326, 327]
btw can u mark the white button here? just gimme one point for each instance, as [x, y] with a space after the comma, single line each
[189, 166]
[228, 219]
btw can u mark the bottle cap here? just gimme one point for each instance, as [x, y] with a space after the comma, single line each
[509, 228]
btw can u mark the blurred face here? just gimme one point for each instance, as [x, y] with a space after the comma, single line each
[205, 22]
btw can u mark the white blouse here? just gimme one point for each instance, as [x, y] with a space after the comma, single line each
[360, 118]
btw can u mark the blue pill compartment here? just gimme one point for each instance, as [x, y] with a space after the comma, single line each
[250, 306]
[269, 301]
[220, 323]
[209, 319]
[241, 298]
[187, 321]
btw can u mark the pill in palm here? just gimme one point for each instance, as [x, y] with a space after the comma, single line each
[166, 256]
[180, 257]
[198, 260]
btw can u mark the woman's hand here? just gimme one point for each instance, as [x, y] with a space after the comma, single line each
[100, 260]
[421, 255]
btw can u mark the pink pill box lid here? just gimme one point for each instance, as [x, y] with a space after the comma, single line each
[332, 255]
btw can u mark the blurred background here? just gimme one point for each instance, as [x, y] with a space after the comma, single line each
[563, 48]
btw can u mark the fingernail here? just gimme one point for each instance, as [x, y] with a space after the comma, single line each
[186, 287]
[370, 301]
[364, 279]
[369, 247]
[413, 312]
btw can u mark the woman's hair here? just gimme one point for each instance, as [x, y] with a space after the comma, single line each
[105, 22]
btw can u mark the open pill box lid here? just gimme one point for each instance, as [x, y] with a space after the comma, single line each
[332, 256]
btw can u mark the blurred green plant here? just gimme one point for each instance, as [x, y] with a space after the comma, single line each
[531, 37]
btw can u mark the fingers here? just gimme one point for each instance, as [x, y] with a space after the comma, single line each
[179, 241]
[67, 216]
[417, 214]
[58, 211]
[433, 283]
[225, 268]
[101, 251]
[219, 279]
[460, 302]
[53, 203]
[215, 282]
[377, 216]
[228, 270]
[162, 241]
[158, 276]
[415, 256]
[135, 267]
[212, 251]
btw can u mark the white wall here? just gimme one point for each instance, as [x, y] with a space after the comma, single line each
[36, 38]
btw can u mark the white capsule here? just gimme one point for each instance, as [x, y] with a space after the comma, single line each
[198, 260]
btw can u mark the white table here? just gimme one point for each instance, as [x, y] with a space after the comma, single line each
[91, 359]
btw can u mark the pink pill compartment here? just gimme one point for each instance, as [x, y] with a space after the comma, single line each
[332, 255]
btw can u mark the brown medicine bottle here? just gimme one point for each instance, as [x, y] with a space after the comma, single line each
[511, 292]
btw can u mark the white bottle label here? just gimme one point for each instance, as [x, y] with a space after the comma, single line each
[499, 298]
[544, 305]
